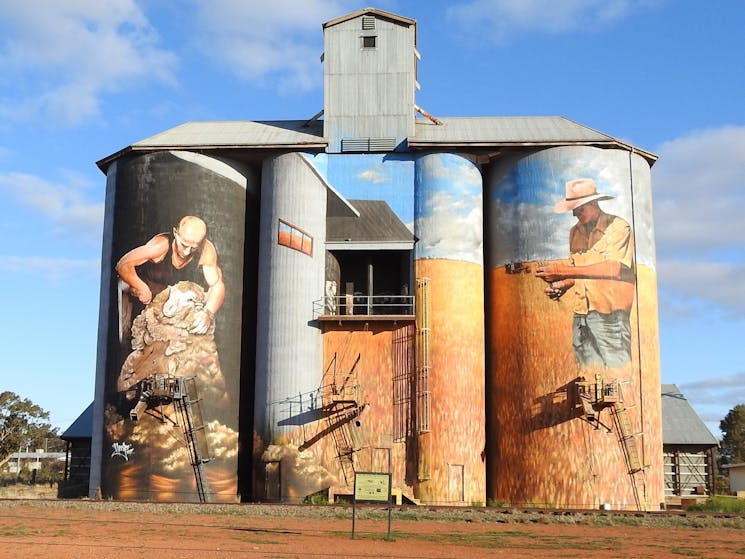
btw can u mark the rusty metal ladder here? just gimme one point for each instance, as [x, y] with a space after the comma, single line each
[627, 438]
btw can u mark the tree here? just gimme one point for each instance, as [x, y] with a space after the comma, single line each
[23, 424]
[732, 445]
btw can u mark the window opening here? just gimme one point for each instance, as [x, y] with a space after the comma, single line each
[295, 238]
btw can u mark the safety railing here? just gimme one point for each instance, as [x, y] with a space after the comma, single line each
[364, 305]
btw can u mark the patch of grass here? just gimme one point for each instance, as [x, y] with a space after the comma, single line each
[17, 531]
[504, 540]
[686, 552]
[485, 539]
[721, 504]
[319, 498]
[572, 542]
[28, 531]
[497, 503]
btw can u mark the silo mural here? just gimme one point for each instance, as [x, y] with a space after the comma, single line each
[172, 363]
[386, 308]
[450, 330]
[573, 378]
[359, 209]
[289, 347]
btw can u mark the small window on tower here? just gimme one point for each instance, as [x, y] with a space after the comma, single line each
[368, 42]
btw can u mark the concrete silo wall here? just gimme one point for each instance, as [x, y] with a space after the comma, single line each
[449, 380]
[289, 353]
[568, 429]
[170, 334]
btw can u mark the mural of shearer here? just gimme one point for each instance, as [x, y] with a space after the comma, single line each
[170, 419]
[173, 365]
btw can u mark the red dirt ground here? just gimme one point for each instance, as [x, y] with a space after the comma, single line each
[67, 530]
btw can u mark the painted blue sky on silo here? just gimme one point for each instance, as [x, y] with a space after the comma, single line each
[449, 210]
[385, 177]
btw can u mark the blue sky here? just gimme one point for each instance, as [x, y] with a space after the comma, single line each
[81, 79]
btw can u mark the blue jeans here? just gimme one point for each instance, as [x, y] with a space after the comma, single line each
[602, 339]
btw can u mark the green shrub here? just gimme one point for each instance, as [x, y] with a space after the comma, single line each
[319, 498]
[720, 503]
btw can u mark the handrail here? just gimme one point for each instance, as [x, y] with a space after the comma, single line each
[364, 305]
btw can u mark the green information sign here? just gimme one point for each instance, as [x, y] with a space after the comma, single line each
[372, 486]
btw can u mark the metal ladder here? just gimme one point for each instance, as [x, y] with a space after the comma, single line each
[630, 449]
[158, 391]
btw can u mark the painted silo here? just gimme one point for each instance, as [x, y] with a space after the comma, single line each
[168, 372]
[573, 370]
[368, 331]
[289, 353]
[449, 382]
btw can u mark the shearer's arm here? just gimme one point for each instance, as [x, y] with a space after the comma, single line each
[215, 292]
[154, 251]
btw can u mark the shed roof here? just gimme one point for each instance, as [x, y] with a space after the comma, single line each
[376, 224]
[82, 427]
[681, 425]
[370, 11]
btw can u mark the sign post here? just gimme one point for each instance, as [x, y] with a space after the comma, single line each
[374, 487]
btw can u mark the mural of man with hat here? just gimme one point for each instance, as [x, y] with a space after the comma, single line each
[600, 274]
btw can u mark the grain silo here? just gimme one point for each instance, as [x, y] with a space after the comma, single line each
[450, 321]
[173, 306]
[385, 307]
[573, 377]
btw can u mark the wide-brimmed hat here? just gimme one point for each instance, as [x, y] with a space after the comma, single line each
[579, 192]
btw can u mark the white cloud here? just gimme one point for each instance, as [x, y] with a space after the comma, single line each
[714, 397]
[699, 187]
[437, 240]
[52, 268]
[64, 205]
[716, 282]
[278, 43]
[699, 195]
[374, 176]
[453, 202]
[498, 19]
[62, 56]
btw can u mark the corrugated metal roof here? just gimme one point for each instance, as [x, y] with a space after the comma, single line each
[367, 11]
[681, 425]
[243, 133]
[510, 131]
[282, 134]
[82, 427]
[473, 132]
[376, 224]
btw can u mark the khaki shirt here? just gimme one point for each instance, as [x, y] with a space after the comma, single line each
[609, 239]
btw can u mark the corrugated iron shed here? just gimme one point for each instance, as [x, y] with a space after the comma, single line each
[681, 425]
[82, 427]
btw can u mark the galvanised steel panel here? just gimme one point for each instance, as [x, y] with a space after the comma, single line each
[681, 425]
[237, 133]
[378, 82]
[289, 354]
